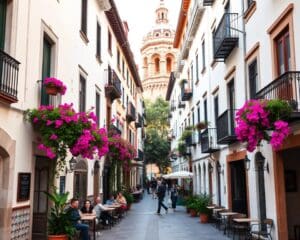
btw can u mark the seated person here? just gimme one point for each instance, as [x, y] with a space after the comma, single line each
[75, 219]
[122, 201]
[111, 200]
[101, 212]
[87, 208]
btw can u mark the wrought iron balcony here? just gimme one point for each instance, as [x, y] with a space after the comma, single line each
[114, 129]
[208, 2]
[113, 86]
[141, 155]
[226, 36]
[208, 140]
[130, 115]
[285, 87]
[139, 123]
[191, 140]
[186, 93]
[9, 69]
[225, 127]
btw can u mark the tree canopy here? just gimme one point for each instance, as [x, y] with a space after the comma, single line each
[156, 144]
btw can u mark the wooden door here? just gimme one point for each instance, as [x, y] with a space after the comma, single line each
[40, 202]
[80, 185]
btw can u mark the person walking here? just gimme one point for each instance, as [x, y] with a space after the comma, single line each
[174, 195]
[161, 191]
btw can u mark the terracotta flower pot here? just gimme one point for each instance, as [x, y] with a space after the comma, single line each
[193, 213]
[51, 90]
[203, 218]
[57, 237]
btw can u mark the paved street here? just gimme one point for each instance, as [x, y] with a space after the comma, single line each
[141, 223]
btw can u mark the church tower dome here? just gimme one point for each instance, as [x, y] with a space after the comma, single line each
[158, 55]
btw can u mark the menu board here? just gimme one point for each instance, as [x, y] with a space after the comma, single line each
[23, 187]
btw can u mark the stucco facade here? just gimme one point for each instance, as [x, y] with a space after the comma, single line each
[229, 54]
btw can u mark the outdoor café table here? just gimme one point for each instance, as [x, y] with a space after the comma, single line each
[224, 215]
[245, 220]
[211, 207]
[218, 209]
[90, 218]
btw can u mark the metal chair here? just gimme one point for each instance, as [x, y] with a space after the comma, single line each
[263, 229]
[240, 228]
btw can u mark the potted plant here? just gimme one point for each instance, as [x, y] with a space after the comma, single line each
[59, 225]
[54, 86]
[187, 136]
[202, 203]
[257, 118]
[181, 148]
[201, 125]
[193, 206]
[129, 199]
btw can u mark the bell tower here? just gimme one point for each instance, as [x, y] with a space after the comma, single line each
[162, 13]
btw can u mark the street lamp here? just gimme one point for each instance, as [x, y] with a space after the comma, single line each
[247, 163]
[72, 164]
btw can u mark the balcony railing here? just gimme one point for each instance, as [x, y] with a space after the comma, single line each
[208, 2]
[225, 127]
[209, 140]
[192, 140]
[186, 93]
[113, 86]
[9, 69]
[139, 123]
[130, 115]
[285, 87]
[226, 36]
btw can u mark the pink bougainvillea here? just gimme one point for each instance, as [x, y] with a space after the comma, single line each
[253, 121]
[62, 129]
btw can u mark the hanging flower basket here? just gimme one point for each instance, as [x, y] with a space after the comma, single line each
[261, 120]
[54, 86]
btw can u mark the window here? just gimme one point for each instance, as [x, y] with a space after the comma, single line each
[127, 75]
[98, 104]
[82, 88]
[3, 8]
[198, 113]
[118, 59]
[123, 96]
[231, 94]
[216, 108]
[283, 52]
[203, 56]
[46, 69]
[123, 67]
[169, 64]
[192, 75]
[197, 67]
[193, 118]
[249, 3]
[98, 47]
[109, 42]
[205, 109]
[253, 77]
[84, 16]
[156, 63]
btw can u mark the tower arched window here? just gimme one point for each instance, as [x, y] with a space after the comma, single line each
[156, 64]
[162, 16]
[169, 64]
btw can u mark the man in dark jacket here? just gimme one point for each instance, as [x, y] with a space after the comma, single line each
[161, 191]
[75, 219]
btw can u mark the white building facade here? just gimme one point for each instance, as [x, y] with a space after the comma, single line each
[232, 51]
[70, 41]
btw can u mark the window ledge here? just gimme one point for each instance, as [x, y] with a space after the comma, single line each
[84, 37]
[203, 70]
[250, 11]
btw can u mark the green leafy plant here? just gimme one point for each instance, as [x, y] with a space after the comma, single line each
[186, 134]
[129, 197]
[201, 125]
[59, 222]
[202, 202]
[181, 148]
[278, 109]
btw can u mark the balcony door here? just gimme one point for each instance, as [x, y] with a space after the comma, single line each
[46, 69]
[283, 50]
[3, 5]
[231, 102]
[80, 180]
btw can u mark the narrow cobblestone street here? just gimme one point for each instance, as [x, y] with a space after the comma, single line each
[141, 223]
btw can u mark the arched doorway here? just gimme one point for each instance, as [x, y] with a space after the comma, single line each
[80, 180]
[7, 163]
[96, 179]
